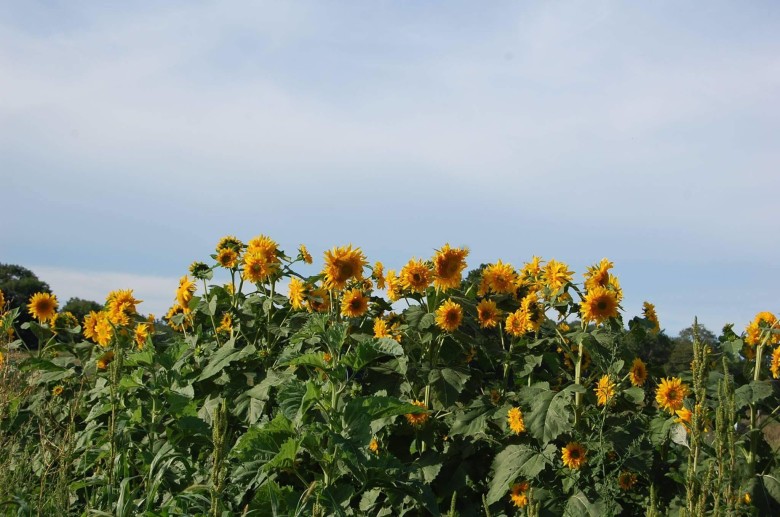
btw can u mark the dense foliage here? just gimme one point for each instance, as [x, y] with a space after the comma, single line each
[355, 392]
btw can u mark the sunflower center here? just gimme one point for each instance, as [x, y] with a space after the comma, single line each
[575, 454]
[602, 305]
[672, 394]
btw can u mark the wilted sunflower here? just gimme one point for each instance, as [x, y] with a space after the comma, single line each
[416, 276]
[514, 418]
[599, 305]
[648, 310]
[354, 304]
[573, 455]
[775, 366]
[670, 394]
[499, 278]
[556, 275]
[342, 264]
[43, 306]
[226, 324]
[227, 258]
[304, 254]
[449, 316]
[378, 274]
[448, 266]
[417, 419]
[141, 334]
[185, 291]
[626, 480]
[488, 314]
[394, 287]
[605, 390]
[638, 372]
[296, 292]
[519, 495]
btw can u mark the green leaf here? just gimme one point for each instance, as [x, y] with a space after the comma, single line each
[447, 383]
[370, 351]
[295, 399]
[144, 357]
[513, 462]
[472, 422]
[579, 506]
[635, 394]
[550, 412]
[285, 458]
[221, 358]
[314, 359]
[751, 393]
[378, 407]
[772, 486]
[261, 443]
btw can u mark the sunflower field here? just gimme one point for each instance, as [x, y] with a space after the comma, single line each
[358, 391]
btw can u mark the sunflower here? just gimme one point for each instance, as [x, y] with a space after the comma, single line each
[229, 242]
[227, 258]
[122, 304]
[64, 321]
[605, 390]
[573, 455]
[614, 286]
[141, 334]
[533, 312]
[648, 310]
[304, 254]
[200, 270]
[57, 391]
[448, 266]
[775, 366]
[256, 266]
[354, 304]
[380, 328]
[2, 301]
[104, 331]
[638, 372]
[519, 494]
[185, 291]
[327, 357]
[531, 272]
[104, 360]
[374, 446]
[683, 416]
[449, 316]
[394, 287]
[626, 480]
[499, 278]
[516, 323]
[2, 359]
[416, 276]
[556, 275]
[296, 292]
[670, 394]
[378, 274]
[599, 304]
[90, 322]
[763, 320]
[174, 311]
[226, 324]
[514, 418]
[319, 300]
[342, 264]
[417, 419]
[266, 247]
[43, 306]
[598, 275]
[488, 314]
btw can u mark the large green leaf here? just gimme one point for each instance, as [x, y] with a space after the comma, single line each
[751, 393]
[514, 462]
[370, 351]
[550, 412]
[226, 354]
[579, 506]
[447, 383]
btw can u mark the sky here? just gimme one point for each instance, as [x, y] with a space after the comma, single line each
[134, 135]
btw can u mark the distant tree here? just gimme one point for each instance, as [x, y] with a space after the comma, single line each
[653, 348]
[18, 285]
[473, 277]
[80, 307]
[682, 352]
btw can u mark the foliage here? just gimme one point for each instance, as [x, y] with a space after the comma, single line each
[514, 391]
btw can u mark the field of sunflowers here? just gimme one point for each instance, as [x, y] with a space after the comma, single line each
[418, 390]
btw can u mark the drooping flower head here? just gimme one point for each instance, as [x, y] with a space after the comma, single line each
[599, 305]
[43, 306]
[670, 394]
[598, 275]
[449, 315]
[416, 276]
[763, 322]
[648, 310]
[519, 494]
[417, 419]
[605, 390]
[448, 266]
[573, 455]
[354, 304]
[121, 305]
[229, 242]
[185, 291]
[488, 314]
[343, 264]
[638, 372]
[515, 421]
[304, 254]
[318, 300]
[296, 292]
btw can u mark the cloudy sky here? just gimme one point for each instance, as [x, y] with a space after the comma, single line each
[134, 135]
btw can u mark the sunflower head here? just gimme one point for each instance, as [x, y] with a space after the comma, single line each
[200, 270]
[354, 304]
[648, 311]
[416, 276]
[515, 420]
[638, 372]
[448, 266]
[341, 265]
[488, 314]
[761, 328]
[670, 394]
[57, 391]
[394, 286]
[319, 300]
[449, 315]
[229, 242]
[43, 306]
[556, 274]
[499, 278]
[418, 419]
[626, 480]
[304, 255]
[599, 305]
[378, 274]
[296, 293]
[227, 258]
[266, 247]
[573, 455]
[141, 334]
[598, 275]
[519, 494]
[605, 390]
[185, 291]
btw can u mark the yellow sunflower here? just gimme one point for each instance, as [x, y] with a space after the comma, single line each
[519, 495]
[175, 310]
[638, 372]
[598, 275]
[533, 311]
[185, 291]
[775, 366]
[227, 258]
[2, 301]
[394, 287]
[515, 420]
[380, 328]
[449, 315]
[599, 305]
[763, 320]
[499, 278]
[417, 419]
[304, 254]
[257, 269]
[378, 274]
[670, 394]
[556, 275]
[104, 331]
[626, 480]
[57, 391]
[605, 390]
[296, 292]
[141, 334]
[516, 323]
[266, 247]
[354, 304]
[121, 305]
[531, 272]
[374, 446]
[43, 306]
[229, 242]
[416, 276]
[573, 455]
[226, 324]
[648, 310]
[683, 417]
[488, 314]
[319, 300]
[104, 360]
[342, 264]
[448, 266]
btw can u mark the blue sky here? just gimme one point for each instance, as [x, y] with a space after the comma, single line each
[133, 136]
